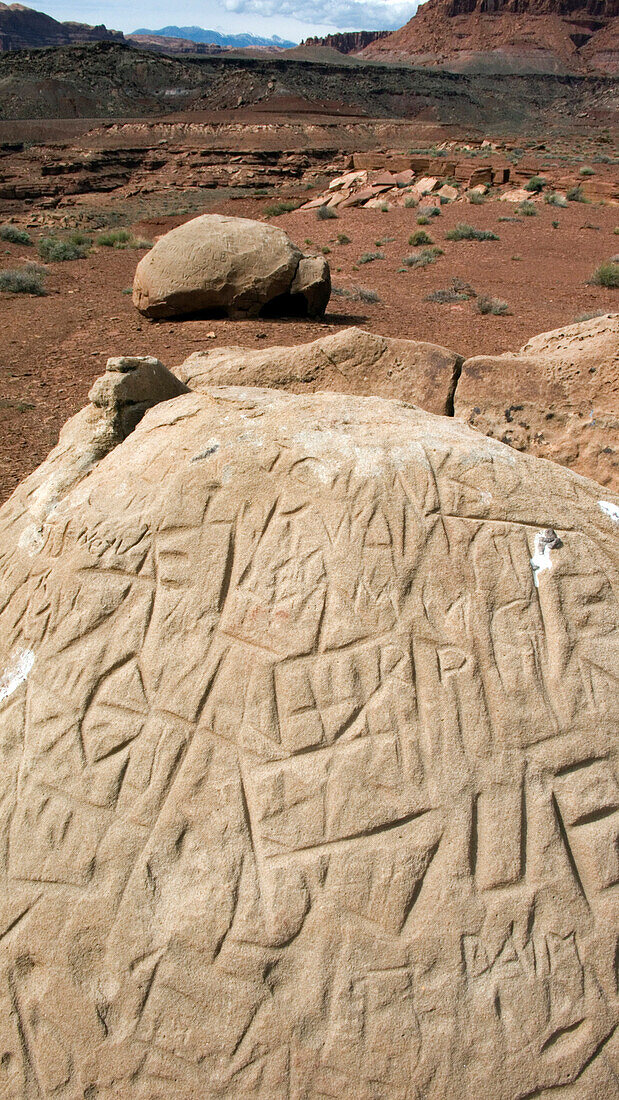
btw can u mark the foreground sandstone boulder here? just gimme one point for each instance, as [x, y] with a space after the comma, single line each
[351, 361]
[231, 265]
[558, 397]
[308, 734]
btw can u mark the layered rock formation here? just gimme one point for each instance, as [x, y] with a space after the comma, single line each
[508, 36]
[308, 738]
[347, 41]
[558, 397]
[233, 265]
[22, 28]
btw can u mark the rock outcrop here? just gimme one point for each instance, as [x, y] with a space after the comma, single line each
[558, 397]
[352, 361]
[508, 36]
[308, 736]
[232, 265]
[22, 28]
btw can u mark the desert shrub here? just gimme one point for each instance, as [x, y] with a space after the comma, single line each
[444, 200]
[509, 219]
[476, 199]
[410, 202]
[606, 274]
[384, 240]
[55, 250]
[283, 207]
[423, 220]
[421, 259]
[555, 225]
[575, 194]
[364, 294]
[588, 316]
[527, 210]
[325, 213]
[121, 239]
[343, 239]
[459, 291]
[429, 212]
[356, 293]
[419, 237]
[553, 199]
[326, 251]
[616, 231]
[464, 232]
[369, 257]
[586, 171]
[536, 183]
[112, 238]
[23, 280]
[491, 305]
[14, 235]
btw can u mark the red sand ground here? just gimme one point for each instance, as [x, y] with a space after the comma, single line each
[55, 346]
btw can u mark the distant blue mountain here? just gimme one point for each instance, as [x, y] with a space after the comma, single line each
[198, 34]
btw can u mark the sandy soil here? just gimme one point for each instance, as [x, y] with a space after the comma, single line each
[55, 346]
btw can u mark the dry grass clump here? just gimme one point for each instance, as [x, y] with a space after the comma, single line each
[325, 213]
[607, 274]
[496, 306]
[14, 235]
[59, 249]
[121, 239]
[27, 279]
[464, 232]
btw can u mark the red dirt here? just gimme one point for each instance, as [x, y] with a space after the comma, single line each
[55, 346]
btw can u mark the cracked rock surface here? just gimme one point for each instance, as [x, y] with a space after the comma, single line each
[308, 722]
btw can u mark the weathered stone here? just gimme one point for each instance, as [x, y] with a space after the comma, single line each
[312, 283]
[308, 737]
[215, 263]
[557, 397]
[352, 361]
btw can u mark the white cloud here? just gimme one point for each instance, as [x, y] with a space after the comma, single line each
[343, 14]
[293, 19]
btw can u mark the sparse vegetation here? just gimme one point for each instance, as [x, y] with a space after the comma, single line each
[527, 209]
[276, 209]
[553, 199]
[369, 257]
[423, 258]
[419, 237]
[423, 220]
[536, 184]
[575, 194]
[410, 202]
[27, 279]
[357, 294]
[14, 235]
[607, 274]
[121, 239]
[586, 171]
[343, 239]
[555, 225]
[496, 306]
[429, 212]
[464, 232]
[588, 316]
[459, 291]
[476, 198]
[56, 249]
[325, 213]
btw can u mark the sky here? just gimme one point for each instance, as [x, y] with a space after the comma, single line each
[292, 19]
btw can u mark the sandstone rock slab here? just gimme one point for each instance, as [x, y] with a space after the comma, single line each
[308, 722]
[558, 397]
[219, 264]
[352, 361]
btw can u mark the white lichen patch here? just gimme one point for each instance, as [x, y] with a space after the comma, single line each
[544, 542]
[609, 509]
[16, 673]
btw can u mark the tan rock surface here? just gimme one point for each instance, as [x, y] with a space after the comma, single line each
[351, 361]
[217, 263]
[308, 733]
[558, 397]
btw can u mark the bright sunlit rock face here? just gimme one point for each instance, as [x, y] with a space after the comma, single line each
[309, 789]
